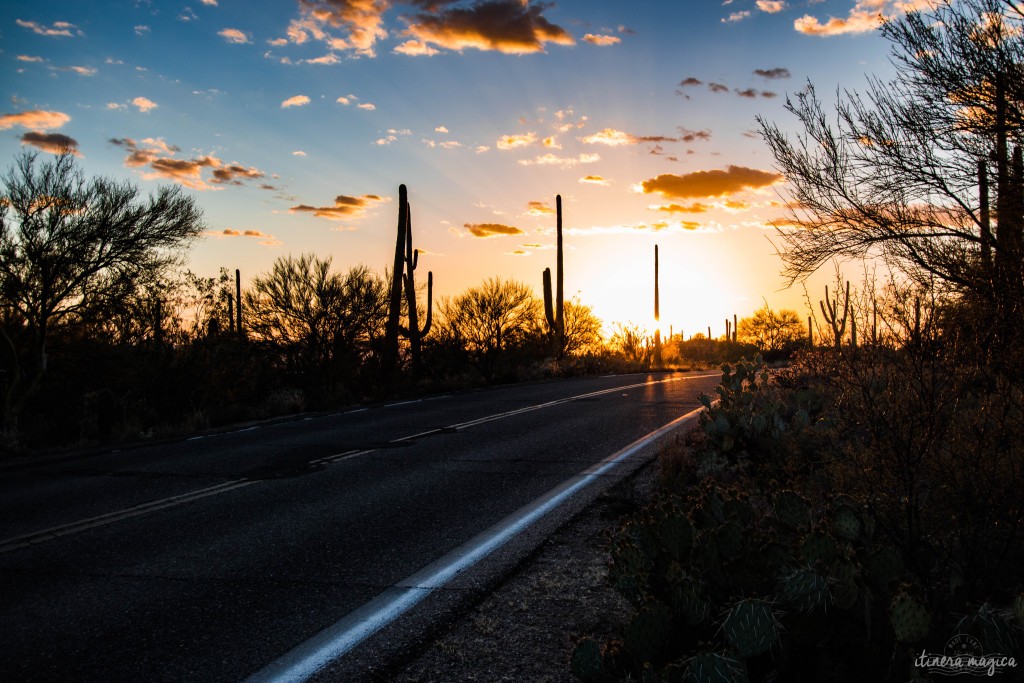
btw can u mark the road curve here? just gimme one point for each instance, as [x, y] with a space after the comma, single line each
[213, 558]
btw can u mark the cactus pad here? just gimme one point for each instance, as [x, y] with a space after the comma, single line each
[805, 589]
[751, 627]
[714, 667]
[817, 547]
[846, 523]
[909, 617]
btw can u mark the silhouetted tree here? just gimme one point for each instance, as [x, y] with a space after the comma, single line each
[898, 173]
[317, 318]
[491, 322]
[771, 331]
[71, 248]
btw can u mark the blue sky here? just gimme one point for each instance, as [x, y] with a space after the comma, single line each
[293, 124]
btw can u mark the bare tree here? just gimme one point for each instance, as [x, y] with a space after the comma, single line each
[491, 320]
[900, 172]
[314, 315]
[770, 330]
[71, 247]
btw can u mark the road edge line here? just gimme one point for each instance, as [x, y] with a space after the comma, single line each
[306, 659]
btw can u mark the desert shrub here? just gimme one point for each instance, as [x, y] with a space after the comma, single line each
[829, 521]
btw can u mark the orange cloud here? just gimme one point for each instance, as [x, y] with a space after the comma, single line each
[491, 229]
[594, 180]
[715, 183]
[37, 119]
[513, 141]
[771, 6]
[866, 15]
[601, 40]
[610, 137]
[508, 26]
[144, 104]
[159, 158]
[539, 209]
[54, 143]
[696, 207]
[345, 207]
[361, 21]
[233, 35]
[231, 173]
[295, 101]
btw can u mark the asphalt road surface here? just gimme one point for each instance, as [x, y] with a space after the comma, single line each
[223, 557]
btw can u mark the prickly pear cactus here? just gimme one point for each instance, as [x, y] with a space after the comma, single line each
[846, 523]
[882, 568]
[751, 627]
[804, 589]
[714, 667]
[793, 511]
[909, 617]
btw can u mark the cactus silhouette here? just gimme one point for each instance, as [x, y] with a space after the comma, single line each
[554, 310]
[238, 301]
[391, 328]
[830, 310]
[657, 312]
[411, 260]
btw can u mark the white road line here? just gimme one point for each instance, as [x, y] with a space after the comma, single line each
[75, 527]
[308, 658]
[33, 538]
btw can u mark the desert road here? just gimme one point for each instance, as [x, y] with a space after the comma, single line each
[282, 550]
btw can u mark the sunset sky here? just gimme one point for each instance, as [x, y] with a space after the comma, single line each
[293, 124]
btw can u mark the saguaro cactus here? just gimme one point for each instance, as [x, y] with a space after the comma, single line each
[830, 310]
[411, 259]
[554, 311]
[391, 327]
[657, 312]
[238, 301]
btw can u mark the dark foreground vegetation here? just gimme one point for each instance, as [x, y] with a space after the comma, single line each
[859, 515]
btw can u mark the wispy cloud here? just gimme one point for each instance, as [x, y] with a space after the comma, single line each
[160, 161]
[554, 160]
[594, 180]
[773, 74]
[601, 40]
[58, 29]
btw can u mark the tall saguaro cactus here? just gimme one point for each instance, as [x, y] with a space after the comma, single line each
[830, 310]
[403, 277]
[554, 311]
[238, 301]
[411, 259]
[657, 312]
[391, 327]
